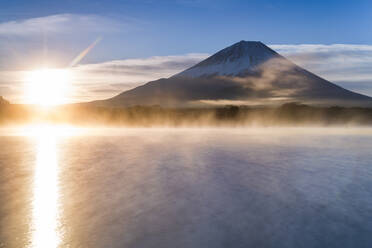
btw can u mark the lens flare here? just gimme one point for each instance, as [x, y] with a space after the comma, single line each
[84, 53]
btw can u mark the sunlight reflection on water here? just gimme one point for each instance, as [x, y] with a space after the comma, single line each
[45, 200]
[46, 230]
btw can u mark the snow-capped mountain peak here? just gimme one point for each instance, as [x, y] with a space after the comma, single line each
[234, 60]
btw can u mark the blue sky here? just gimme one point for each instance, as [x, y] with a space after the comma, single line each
[182, 26]
[35, 31]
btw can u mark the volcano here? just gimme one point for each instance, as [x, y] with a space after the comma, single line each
[246, 73]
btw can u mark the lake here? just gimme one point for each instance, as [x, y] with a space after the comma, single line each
[196, 187]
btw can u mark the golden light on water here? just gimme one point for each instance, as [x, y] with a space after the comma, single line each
[47, 87]
[45, 201]
[46, 229]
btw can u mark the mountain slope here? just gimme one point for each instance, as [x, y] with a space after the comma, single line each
[235, 60]
[247, 72]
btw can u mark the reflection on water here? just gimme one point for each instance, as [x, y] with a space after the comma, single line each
[45, 214]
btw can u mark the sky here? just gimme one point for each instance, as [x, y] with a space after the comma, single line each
[142, 40]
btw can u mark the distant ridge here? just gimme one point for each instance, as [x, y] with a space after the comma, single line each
[246, 73]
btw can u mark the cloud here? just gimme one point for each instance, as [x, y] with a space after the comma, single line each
[57, 39]
[61, 23]
[344, 64]
[110, 78]
[160, 65]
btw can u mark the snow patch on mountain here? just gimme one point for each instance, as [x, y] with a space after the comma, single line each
[235, 60]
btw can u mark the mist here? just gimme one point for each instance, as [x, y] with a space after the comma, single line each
[288, 114]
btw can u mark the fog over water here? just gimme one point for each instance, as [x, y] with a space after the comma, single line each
[184, 187]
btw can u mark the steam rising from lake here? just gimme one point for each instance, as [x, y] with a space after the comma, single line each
[251, 187]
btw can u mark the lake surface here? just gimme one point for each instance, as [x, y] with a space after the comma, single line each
[254, 187]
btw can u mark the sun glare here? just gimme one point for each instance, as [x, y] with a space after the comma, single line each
[47, 87]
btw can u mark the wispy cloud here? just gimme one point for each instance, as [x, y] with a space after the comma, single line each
[57, 39]
[348, 65]
[158, 65]
[61, 23]
[110, 78]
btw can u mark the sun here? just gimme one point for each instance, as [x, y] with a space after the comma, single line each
[47, 87]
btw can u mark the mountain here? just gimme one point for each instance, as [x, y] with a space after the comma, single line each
[247, 72]
[235, 60]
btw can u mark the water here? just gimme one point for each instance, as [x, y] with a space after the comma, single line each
[186, 188]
